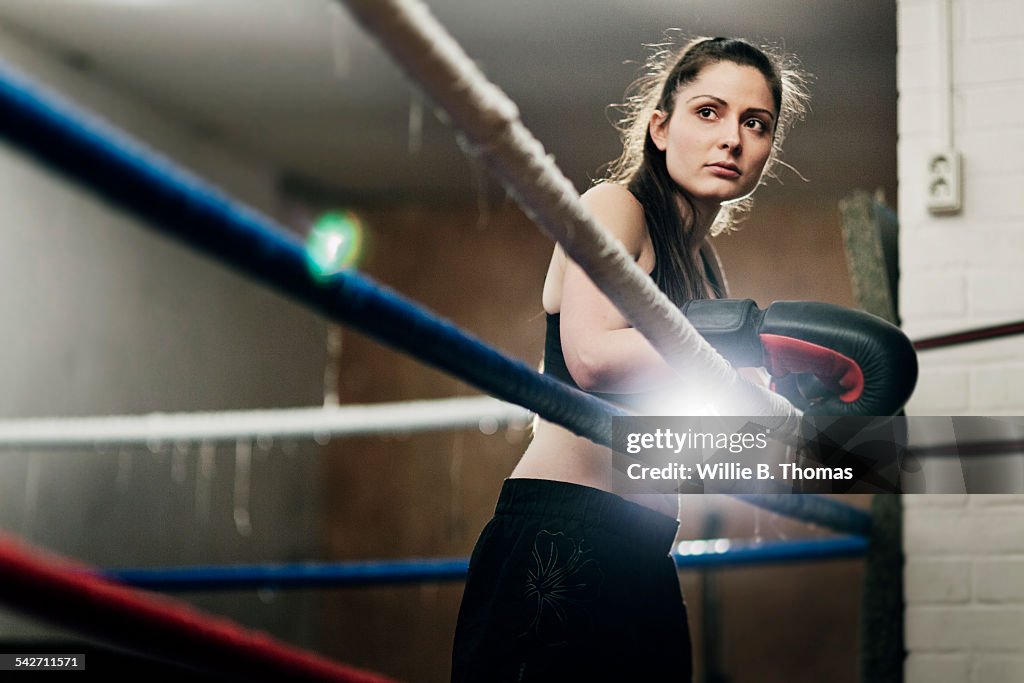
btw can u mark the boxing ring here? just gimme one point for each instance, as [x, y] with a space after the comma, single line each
[126, 174]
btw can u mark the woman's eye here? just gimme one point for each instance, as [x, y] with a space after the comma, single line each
[706, 112]
[757, 124]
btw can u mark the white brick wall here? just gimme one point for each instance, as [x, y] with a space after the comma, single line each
[964, 578]
[964, 573]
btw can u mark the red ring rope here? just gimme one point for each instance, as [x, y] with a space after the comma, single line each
[967, 336]
[66, 594]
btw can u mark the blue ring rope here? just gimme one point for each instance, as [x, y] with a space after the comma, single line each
[131, 177]
[398, 572]
[128, 175]
[820, 510]
[800, 550]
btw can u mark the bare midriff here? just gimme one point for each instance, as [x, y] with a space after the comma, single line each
[559, 455]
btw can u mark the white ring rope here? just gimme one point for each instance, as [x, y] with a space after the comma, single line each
[481, 412]
[488, 125]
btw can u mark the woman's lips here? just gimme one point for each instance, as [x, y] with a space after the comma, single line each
[723, 171]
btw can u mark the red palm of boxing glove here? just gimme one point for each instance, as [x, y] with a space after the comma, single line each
[862, 364]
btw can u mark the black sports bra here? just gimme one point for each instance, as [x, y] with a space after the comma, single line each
[554, 360]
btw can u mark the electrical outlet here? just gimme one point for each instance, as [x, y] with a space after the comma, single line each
[944, 187]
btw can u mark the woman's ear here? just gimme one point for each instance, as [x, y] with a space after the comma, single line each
[658, 129]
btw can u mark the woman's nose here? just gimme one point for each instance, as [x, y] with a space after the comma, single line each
[730, 139]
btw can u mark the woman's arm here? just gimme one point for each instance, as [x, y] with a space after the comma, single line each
[603, 353]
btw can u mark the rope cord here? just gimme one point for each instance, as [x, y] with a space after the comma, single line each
[820, 510]
[68, 595]
[967, 336]
[148, 185]
[375, 573]
[488, 125]
[349, 420]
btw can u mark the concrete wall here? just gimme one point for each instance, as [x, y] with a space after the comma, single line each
[102, 316]
[965, 611]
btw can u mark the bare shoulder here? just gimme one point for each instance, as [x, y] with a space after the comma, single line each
[618, 212]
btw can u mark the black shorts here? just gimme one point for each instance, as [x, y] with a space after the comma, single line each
[572, 583]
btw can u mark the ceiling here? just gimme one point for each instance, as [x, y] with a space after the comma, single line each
[296, 82]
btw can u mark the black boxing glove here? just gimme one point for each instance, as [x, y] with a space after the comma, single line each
[801, 389]
[863, 364]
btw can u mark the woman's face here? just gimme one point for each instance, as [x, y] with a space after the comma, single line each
[719, 136]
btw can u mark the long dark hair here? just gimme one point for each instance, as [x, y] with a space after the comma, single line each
[642, 169]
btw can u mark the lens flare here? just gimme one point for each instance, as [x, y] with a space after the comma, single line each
[335, 243]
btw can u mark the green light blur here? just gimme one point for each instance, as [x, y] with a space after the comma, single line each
[335, 244]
